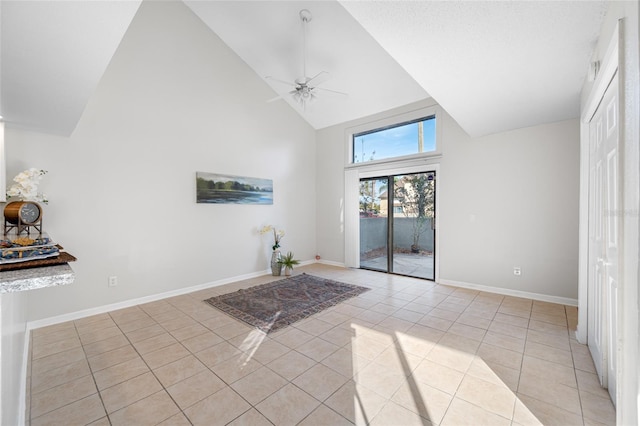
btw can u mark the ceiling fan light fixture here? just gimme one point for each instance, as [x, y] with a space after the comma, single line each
[303, 96]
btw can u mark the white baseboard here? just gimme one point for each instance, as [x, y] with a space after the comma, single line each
[146, 299]
[133, 302]
[152, 298]
[332, 263]
[515, 293]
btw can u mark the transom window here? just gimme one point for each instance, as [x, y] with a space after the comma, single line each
[399, 140]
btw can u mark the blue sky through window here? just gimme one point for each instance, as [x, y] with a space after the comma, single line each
[394, 141]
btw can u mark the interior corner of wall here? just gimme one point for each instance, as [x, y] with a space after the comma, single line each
[3, 169]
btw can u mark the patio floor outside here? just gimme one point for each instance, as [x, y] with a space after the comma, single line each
[413, 264]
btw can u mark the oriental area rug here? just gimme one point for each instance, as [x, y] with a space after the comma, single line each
[270, 307]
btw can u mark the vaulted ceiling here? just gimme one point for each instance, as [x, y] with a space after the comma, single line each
[494, 66]
[53, 54]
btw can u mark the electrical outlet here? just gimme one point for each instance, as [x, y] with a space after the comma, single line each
[113, 281]
[517, 271]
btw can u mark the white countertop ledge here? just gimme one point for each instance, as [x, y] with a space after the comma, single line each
[34, 278]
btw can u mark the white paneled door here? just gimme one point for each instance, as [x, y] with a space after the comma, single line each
[604, 209]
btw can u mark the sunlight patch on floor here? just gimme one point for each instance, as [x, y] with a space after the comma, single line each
[426, 381]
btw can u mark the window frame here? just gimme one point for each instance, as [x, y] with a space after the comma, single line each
[390, 122]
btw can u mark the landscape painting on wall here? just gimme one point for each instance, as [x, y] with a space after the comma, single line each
[216, 188]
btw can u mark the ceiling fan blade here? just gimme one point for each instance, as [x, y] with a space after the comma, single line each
[331, 92]
[294, 93]
[277, 80]
[319, 78]
[277, 98]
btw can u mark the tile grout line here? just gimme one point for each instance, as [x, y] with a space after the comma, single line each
[575, 374]
[455, 394]
[182, 411]
[90, 373]
[150, 369]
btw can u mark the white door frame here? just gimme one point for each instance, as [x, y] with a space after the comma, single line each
[608, 68]
[351, 206]
[605, 364]
[604, 237]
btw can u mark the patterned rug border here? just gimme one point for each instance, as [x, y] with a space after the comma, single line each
[220, 302]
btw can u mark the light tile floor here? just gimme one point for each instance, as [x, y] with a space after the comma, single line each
[407, 352]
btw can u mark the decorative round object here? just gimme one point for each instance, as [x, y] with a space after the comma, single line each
[24, 212]
[22, 216]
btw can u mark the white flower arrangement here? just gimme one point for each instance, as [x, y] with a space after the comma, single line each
[26, 184]
[277, 235]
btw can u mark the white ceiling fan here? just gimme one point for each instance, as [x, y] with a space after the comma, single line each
[305, 89]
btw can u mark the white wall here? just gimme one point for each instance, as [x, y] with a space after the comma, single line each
[174, 100]
[509, 199]
[12, 346]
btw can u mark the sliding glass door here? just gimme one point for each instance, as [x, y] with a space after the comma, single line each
[414, 225]
[374, 224]
[397, 224]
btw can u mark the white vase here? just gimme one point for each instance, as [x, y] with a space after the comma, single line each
[287, 271]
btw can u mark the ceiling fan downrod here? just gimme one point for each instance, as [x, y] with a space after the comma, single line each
[305, 16]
